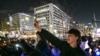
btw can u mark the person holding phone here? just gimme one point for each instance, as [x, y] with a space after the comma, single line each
[70, 47]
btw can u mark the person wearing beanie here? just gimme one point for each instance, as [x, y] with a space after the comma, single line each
[70, 47]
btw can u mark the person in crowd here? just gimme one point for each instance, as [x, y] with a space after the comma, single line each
[55, 51]
[70, 47]
[85, 47]
[42, 45]
[29, 50]
[83, 42]
[90, 40]
[4, 47]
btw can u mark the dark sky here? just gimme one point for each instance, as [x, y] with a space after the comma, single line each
[80, 10]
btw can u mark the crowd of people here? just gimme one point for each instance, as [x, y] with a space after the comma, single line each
[27, 47]
[47, 44]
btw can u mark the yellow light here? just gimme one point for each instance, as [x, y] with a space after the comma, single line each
[8, 23]
[51, 25]
[27, 18]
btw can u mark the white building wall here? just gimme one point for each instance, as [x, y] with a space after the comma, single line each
[24, 21]
[57, 18]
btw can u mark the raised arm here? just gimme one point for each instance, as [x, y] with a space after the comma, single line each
[47, 35]
[51, 38]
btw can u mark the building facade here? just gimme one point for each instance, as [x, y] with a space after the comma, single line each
[22, 22]
[52, 19]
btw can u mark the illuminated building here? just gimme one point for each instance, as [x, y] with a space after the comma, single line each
[22, 22]
[52, 18]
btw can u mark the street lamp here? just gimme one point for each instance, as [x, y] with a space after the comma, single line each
[86, 27]
[8, 23]
[5, 27]
[5, 24]
[74, 22]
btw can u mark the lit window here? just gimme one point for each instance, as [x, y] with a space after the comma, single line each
[42, 10]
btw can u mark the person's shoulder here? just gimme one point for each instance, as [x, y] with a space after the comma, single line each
[65, 43]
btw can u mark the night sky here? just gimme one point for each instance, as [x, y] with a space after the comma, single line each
[81, 10]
